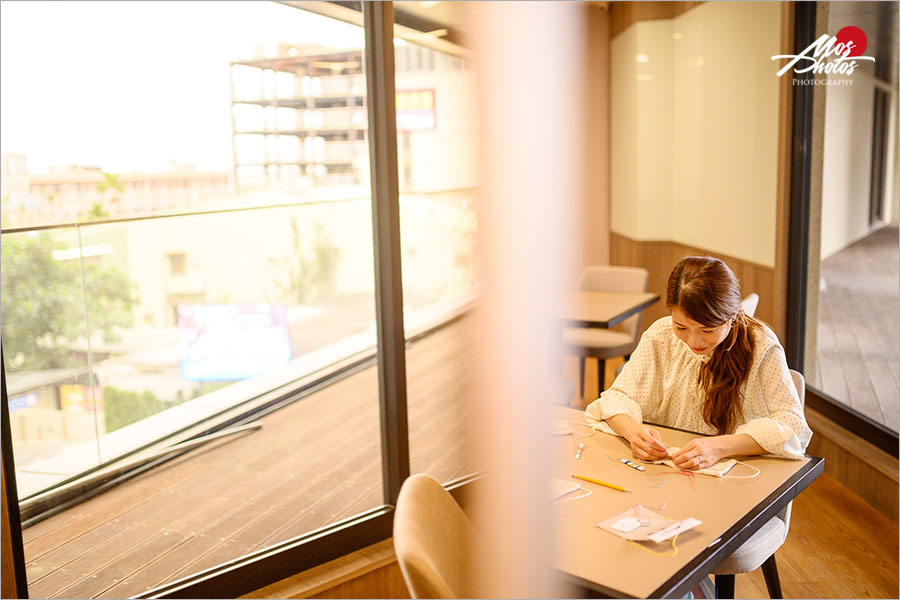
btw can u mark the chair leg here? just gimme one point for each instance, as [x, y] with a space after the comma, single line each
[724, 586]
[601, 375]
[580, 377]
[773, 582]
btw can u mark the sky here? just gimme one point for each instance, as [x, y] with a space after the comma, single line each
[131, 86]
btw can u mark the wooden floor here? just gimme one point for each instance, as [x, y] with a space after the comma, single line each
[311, 464]
[859, 325]
[838, 546]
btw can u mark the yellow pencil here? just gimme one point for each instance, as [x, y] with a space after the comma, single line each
[603, 483]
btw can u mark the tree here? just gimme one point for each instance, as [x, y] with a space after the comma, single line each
[110, 182]
[122, 407]
[43, 302]
[97, 212]
[308, 275]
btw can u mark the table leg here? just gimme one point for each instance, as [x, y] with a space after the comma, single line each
[724, 586]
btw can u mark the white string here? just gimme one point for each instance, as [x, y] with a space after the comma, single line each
[737, 462]
[569, 496]
[586, 435]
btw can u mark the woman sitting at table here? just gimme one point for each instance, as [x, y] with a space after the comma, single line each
[707, 368]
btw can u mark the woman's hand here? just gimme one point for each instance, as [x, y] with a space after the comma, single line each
[699, 453]
[646, 443]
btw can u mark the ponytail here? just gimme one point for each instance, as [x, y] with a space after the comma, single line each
[721, 377]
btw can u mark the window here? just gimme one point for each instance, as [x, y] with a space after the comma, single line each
[177, 263]
[264, 339]
[437, 162]
[131, 346]
[851, 325]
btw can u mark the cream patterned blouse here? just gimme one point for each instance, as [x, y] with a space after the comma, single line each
[659, 384]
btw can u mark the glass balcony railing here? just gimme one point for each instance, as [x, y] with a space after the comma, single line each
[118, 334]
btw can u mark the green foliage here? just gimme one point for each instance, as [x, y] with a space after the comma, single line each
[123, 407]
[43, 303]
[97, 212]
[309, 277]
[110, 181]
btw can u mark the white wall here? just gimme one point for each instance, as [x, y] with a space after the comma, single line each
[445, 158]
[894, 191]
[695, 129]
[641, 148]
[846, 168]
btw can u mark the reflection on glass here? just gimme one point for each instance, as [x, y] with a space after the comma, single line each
[53, 406]
[437, 171]
[189, 234]
[179, 308]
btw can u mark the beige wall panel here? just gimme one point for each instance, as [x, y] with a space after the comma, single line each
[847, 162]
[624, 14]
[641, 131]
[726, 128]
[694, 129]
[623, 131]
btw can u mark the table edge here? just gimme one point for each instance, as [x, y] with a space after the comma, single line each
[684, 580]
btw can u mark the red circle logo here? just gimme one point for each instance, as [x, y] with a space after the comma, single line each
[853, 37]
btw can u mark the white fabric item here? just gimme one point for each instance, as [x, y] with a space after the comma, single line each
[660, 384]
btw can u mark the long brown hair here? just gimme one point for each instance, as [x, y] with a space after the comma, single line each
[709, 293]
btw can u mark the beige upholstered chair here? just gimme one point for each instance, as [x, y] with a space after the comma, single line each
[750, 303]
[760, 549]
[433, 540]
[601, 344]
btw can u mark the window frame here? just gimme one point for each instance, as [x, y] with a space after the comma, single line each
[250, 572]
[798, 248]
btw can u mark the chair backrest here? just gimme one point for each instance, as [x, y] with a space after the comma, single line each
[433, 540]
[800, 383]
[750, 303]
[610, 278]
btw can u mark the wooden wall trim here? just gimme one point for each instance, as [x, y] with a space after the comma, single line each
[354, 575]
[623, 14]
[866, 470]
[659, 257]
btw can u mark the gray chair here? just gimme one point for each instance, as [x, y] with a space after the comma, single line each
[759, 550]
[750, 303]
[433, 540]
[601, 344]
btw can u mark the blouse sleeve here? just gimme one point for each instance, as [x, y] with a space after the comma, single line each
[632, 385]
[784, 432]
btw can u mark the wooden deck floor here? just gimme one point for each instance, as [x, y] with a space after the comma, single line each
[311, 464]
[859, 325]
[838, 546]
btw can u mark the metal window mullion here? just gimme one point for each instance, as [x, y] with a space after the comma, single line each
[378, 20]
[12, 494]
[798, 227]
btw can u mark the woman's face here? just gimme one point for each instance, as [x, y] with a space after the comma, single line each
[699, 338]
